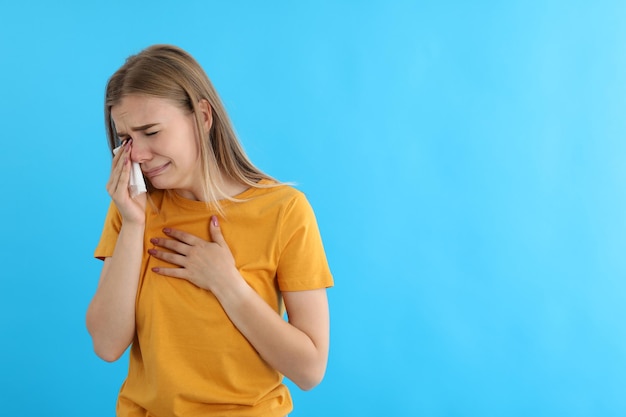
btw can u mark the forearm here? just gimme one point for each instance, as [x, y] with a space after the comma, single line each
[282, 345]
[111, 313]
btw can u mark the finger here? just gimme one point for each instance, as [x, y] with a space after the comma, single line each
[216, 232]
[180, 273]
[184, 237]
[173, 258]
[115, 170]
[171, 244]
[120, 176]
[119, 157]
[120, 167]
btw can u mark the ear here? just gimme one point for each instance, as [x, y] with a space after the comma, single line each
[207, 114]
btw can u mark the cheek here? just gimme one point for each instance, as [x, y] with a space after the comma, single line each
[195, 136]
[189, 150]
[193, 145]
[183, 146]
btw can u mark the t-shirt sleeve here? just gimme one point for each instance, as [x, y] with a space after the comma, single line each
[302, 264]
[110, 231]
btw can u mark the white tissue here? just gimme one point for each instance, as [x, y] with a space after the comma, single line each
[136, 185]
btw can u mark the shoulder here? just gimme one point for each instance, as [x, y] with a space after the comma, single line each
[285, 196]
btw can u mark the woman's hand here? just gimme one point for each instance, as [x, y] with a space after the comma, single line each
[205, 264]
[132, 210]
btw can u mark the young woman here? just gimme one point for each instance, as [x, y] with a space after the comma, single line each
[199, 271]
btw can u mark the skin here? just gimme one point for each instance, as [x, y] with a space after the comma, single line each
[165, 146]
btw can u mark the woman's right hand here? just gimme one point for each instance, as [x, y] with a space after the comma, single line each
[132, 209]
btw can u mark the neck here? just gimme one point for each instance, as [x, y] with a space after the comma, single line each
[229, 187]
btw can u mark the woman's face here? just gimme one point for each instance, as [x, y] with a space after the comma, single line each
[163, 142]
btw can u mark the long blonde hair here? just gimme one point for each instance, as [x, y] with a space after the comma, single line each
[166, 71]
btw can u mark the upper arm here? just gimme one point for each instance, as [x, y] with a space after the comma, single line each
[308, 311]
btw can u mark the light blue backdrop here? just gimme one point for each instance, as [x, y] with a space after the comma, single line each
[465, 160]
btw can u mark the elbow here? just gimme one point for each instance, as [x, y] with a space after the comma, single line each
[108, 355]
[308, 386]
[105, 348]
[108, 349]
[311, 379]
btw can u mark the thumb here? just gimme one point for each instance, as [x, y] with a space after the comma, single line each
[216, 232]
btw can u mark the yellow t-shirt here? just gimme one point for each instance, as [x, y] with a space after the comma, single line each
[188, 359]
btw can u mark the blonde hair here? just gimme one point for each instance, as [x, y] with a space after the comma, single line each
[166, 71]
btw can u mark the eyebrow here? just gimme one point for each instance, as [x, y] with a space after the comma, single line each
[137, 129]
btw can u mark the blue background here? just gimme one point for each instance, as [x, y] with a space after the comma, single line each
[465, 161]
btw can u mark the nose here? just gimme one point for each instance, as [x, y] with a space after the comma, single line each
[140, 151]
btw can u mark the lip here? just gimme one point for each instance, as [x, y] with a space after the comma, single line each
[156, 171]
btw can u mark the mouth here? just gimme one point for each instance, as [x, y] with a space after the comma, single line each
[156, 171]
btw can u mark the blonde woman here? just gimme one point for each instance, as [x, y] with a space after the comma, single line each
[199, 271]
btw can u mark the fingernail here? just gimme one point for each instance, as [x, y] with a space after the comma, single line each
[154, 240]
[151, 251]
[214, 220]
[167, 230]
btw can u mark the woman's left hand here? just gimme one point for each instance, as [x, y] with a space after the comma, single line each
[204, 264]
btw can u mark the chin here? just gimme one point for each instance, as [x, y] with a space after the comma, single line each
[160, 185]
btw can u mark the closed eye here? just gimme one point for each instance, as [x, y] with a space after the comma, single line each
[151, 133]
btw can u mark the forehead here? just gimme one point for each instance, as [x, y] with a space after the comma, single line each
[139, 109]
